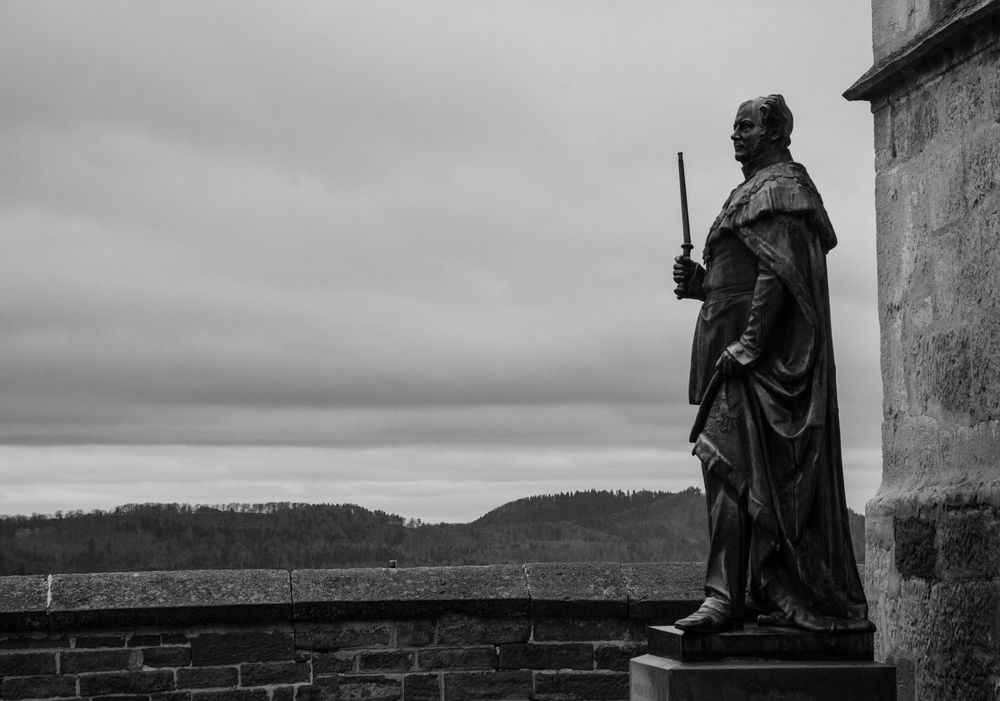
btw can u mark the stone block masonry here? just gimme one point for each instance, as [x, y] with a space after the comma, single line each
[933, 529]
[561, 632]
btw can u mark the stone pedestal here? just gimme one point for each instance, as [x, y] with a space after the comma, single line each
[776, 664]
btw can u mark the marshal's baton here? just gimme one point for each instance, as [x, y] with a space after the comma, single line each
[686, 246]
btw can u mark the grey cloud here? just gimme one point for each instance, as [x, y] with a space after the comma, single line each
[362, 223]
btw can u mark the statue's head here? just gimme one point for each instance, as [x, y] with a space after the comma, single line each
[761, 125]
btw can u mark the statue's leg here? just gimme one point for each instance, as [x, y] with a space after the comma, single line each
[722, 446]
[729, 542]
[726, 570]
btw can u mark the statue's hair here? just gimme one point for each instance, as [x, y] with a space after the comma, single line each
[776, 119]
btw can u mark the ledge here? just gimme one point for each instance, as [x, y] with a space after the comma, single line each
[488, 590]
[592, 589]
[937, 39]
[644, 592]
[168, 598]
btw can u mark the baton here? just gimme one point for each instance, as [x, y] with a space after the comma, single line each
[686, 246]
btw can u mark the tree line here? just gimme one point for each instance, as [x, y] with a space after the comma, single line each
[594, 525]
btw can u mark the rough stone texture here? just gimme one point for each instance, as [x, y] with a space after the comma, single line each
[899, 24]
[249, 646]
[23, 602]
[472, 630]
[590, 589]
[662, 592]
[489, 590]
[479, 686]
[100, 641]
[655, 678]
[933, 542]
[547, 656]
[758, 642]
[178, 598]
[481, 657]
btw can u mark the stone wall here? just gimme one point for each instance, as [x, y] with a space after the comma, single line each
[933, 529]
[541, 631]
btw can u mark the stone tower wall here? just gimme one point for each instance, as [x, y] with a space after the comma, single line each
[933, 529]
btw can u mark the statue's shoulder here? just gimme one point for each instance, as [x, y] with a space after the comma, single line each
[783, 188]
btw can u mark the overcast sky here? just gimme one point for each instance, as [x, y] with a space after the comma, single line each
[412, 255]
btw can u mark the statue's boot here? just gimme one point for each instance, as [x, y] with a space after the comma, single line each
[713, 616]
[816, 622]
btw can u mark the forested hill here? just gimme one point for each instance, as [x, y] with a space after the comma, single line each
[578, 526]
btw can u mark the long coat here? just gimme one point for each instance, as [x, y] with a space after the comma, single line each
[773, 431]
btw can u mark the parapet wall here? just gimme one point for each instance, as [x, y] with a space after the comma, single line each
[540, 631]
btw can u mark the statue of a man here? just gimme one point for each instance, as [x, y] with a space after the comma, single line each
[768, 433]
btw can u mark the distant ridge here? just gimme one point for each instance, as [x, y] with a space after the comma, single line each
[571, 506]
[641, 526]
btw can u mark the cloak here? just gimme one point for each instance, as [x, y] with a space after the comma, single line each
[772, 433]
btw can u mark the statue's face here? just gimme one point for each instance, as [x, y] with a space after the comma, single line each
[749, 136]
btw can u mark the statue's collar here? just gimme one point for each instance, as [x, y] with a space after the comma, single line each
[768, 158]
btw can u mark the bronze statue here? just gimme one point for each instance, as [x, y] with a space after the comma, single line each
[762, 371]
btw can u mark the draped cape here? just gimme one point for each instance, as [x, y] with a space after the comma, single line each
[773, 432]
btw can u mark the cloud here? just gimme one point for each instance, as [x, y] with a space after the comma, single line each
[386, 224]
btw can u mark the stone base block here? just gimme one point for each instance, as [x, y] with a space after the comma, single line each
[754, 641]
[653, 678]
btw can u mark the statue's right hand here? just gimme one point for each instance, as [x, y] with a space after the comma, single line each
[685, 270]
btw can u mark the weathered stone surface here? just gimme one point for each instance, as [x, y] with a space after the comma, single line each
[456, 629]
[334, 662]
[273, 673]
[481, 686]
[585, 589]
[478, 657]
[108, 683]
[754, 641]
[369, 687]
[916, 551]
[23, 602]
[552, 629]
[228, 695]
[386, 661]
[556, 686]
[547, 656]
[207, 677]
[933, 528]
[336, 636]
[489, 590]
[414, 633]
[24, 640]
[232, 648]
[24, 664]
[969, 544]
[421, 687]
[657, 679]
[169, 598]
[46, 687]
[663, 591]
[166, 656]
[74, 661]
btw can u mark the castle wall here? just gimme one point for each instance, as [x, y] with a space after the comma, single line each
[933, 529]
[543, 631]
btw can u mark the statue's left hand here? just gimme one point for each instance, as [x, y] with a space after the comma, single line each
[728, 365]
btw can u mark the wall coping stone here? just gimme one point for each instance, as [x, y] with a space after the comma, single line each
[486, 590]
[568, 588]
[935, 40]
[23, 601]
[179, 597]
[638, 591]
